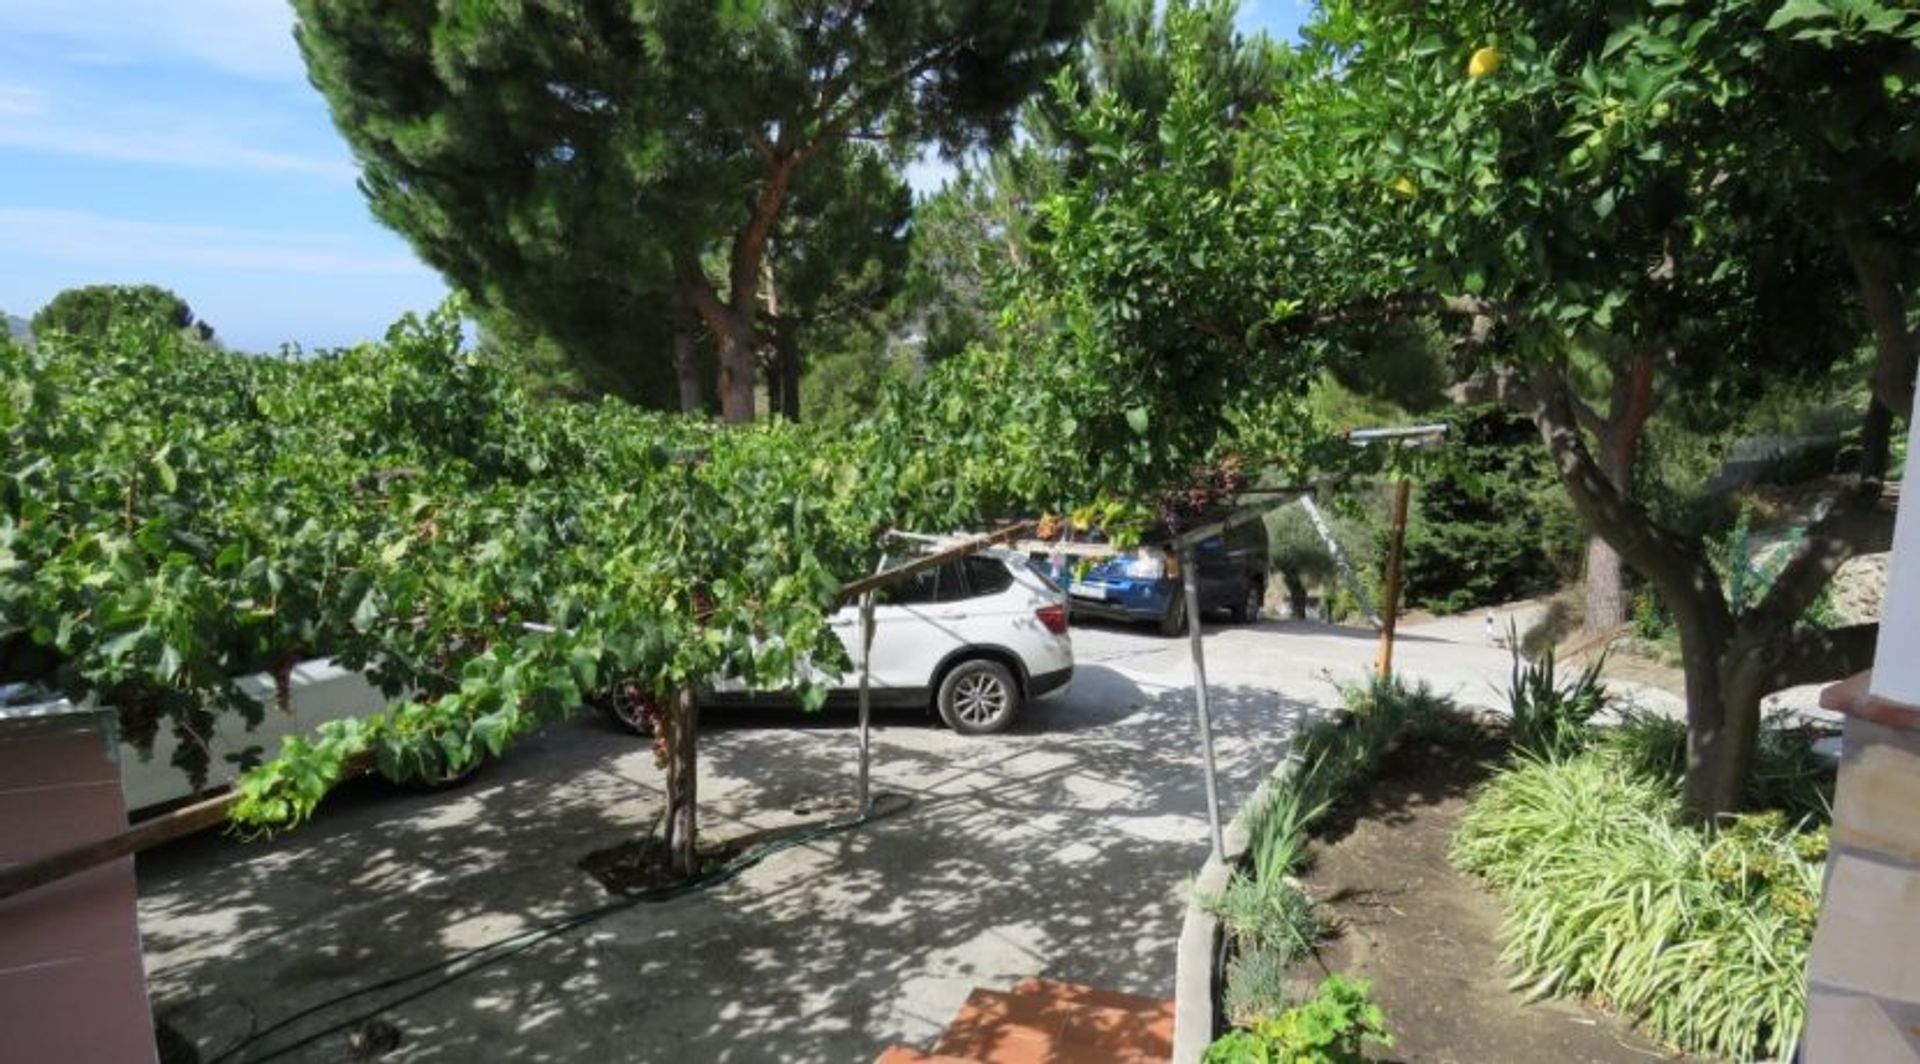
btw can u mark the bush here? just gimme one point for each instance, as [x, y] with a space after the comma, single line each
[1491, 524]
[1551, 719]
[1702, 936]
[1335, 757]
[1257, 985]
[1333, 1027]
[1786, 776]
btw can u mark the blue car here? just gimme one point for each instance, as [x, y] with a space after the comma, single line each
[1146, 584]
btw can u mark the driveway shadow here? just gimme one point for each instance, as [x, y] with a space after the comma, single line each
[1060, 849]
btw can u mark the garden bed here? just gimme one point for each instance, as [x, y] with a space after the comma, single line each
[1426, 936]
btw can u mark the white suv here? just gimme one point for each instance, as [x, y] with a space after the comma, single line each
[973, 639]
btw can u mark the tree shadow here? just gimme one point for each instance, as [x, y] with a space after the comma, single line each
[1059, 849]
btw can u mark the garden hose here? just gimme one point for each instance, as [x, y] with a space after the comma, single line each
[463, 964]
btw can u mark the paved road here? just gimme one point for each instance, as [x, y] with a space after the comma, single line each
[1058, 849]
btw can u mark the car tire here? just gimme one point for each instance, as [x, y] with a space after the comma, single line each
[1249, 609]
[979, 696]
[627, 712]
[1174, 621]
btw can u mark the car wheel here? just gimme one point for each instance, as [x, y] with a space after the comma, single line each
[627, 706]
[1249, 609]
[1174, 621]
[978, 697]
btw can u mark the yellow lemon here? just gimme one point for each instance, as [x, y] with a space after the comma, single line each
[1405, 188]
[1484, 62]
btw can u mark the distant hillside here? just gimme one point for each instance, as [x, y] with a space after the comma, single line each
[18, 329]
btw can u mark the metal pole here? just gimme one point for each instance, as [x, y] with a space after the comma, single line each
[1201, 710]
[1340, 559]
[866, 675]
[1397, 542]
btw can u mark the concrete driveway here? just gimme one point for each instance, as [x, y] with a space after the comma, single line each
[1060, 849]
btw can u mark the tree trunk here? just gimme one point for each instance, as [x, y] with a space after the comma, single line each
[738, 368]
[1876, 440]
[1296, 593]
[1607, 601]
[786, 369]
[1720, 729]
[1628, 408]
[686, 361]
[1896, 347]
[682, 722]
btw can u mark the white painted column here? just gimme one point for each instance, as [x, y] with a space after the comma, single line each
[1863, 981]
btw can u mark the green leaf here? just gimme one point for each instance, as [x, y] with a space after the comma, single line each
[1800, 11]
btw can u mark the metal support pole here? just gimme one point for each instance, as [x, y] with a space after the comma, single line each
[866, 676]
[1340, 561]
[1396, 545]
[1187, 571]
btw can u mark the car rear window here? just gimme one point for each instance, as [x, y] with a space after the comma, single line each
[940, 584]
[987, 576]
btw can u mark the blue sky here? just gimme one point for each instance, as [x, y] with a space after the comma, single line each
[179, 143]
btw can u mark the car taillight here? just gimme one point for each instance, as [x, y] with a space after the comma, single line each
[1054, 617]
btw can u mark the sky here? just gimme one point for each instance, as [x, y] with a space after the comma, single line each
[178, 143]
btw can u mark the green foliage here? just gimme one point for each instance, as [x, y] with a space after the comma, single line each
[1333, 1027]
[95, 310]
[1549, 719]
[1261, 908]
[173, 516]
[1787, 776]
[1491, 524]
[1267, 917]
[844, 381]
[584, 164]
[1699, 935]
[1337, 758]
[1257, 984]
[1269, 920]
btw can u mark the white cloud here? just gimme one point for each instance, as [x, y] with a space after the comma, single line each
[138, 145]
[21, 101]
[250, 38]
[87, 237]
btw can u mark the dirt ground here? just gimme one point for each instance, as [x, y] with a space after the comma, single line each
[1427, 936]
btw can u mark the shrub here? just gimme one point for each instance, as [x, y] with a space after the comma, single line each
[1335, 757]
[1257, 985]
[1552, 719]
[1269, 917]
[1702, 936]
[1333, 1027]
[1261, 908]
[1787, 775]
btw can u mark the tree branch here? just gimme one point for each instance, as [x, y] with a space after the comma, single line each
[1859, 522]
[1810, 655]
[1675, 566]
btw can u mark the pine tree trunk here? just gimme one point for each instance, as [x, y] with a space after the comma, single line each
[787, 368]
[738, 370]
[682, 725]
[686, 361]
